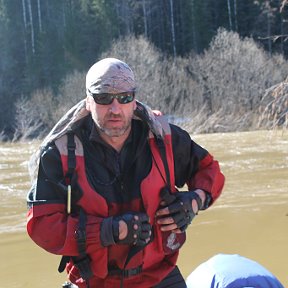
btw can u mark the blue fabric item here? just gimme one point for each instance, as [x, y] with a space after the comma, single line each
[231, 271]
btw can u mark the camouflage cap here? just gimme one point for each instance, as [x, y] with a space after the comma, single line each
[110, 75]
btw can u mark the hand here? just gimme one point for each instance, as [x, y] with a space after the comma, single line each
[133, 228]
[157, 112]
[178, 213]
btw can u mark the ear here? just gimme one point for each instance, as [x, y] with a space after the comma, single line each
[88, 103]
[134, 105]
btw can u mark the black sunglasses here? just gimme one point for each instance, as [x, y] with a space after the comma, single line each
[107, 98]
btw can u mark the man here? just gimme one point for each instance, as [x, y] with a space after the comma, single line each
[105, 194]
[231, 271]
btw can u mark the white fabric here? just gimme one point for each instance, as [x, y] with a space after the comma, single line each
[231, 271]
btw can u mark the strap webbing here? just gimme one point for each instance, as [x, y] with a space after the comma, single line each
[80, 233]
[82, 262]
[71, 146]
[162, 150]
[63, 262]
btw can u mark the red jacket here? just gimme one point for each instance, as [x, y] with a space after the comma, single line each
[51, 218]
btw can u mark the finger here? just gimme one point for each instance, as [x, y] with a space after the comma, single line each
[170, 227]
[177, 231]
[163, 203]
[162, 212]
[165, 221]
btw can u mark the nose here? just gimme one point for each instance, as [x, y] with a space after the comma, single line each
[115, 106]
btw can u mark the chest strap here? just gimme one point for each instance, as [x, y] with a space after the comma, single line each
[125, 273]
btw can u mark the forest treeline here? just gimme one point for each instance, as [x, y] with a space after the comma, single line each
[230, 87]
[223, 78]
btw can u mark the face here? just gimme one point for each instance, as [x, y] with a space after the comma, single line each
[114, 120]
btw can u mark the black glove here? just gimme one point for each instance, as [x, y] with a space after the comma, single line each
[180, 206]
[139, 229]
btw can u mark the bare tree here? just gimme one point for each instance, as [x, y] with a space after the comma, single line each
[39, 16]
[31, 26]
[25, 28]
[195, 42]
[172, 28]
[229, 14]
[71, 91]
[235, 15]
[3, 136]
[218, 91]
[238, 71]
[145, 17]
[26, 123]
[145, 61]
[234, 74]
[269, 17]
[274, 107]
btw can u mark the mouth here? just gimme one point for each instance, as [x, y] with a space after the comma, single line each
[114, 121]
[114, 117]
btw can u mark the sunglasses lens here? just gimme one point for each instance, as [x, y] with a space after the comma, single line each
[124, 99]
[106, 99]
[103, 99]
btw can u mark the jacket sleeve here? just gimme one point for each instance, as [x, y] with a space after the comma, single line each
[195, 166]
[48, 224]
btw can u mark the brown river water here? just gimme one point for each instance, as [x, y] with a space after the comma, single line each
[250, 218]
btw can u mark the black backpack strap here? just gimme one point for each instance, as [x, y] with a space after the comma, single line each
[82, 262]
[63, 262]
[162, 150]
[71, 146]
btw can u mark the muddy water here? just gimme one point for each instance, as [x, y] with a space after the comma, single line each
[250, 218]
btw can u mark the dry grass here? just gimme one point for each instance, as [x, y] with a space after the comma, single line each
[274, 109]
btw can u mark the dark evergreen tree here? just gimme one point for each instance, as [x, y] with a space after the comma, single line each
[41, 41]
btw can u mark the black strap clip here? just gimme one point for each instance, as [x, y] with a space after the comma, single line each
[62, 265]
[84, 266]
[125, 273]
